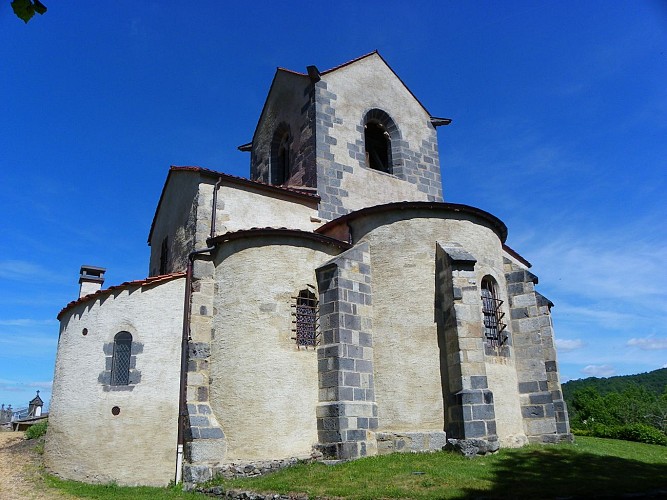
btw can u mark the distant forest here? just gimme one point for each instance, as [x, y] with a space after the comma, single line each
[654, 382]
[630, 407]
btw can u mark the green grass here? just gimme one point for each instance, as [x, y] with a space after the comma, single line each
[115, 492]
[590, 467]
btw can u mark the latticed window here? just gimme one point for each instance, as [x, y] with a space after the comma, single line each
[305, 319]
[494, 327]
[120, 362]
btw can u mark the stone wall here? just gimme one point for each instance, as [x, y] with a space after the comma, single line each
[343, 176]
[346, 413]
[542, 406]
[289, 104]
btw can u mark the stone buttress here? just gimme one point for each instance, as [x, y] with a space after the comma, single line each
[347, 412]
[542, 406]
[205, 441]
[469, 405]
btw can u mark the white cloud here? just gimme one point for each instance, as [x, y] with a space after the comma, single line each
[27, 322]
[17, 386]
[42, 385]
[599, 370]
[648, 343]
[21, 270]
[566, 345]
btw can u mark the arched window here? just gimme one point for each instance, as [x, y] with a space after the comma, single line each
[120, 361]
[281, 164]
[378, 147]
[379, 132]
[305, 319]
[494, 327]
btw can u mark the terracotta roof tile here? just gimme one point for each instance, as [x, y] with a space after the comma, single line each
[151, 280]
[281, 231]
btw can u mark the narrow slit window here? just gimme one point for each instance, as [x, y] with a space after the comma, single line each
[305, 319]
[120, 361]
[280, 160]
[164, 256]
[494, 327]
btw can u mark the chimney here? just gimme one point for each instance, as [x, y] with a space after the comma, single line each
[91, 280]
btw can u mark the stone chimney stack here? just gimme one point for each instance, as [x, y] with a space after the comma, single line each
[91, 280]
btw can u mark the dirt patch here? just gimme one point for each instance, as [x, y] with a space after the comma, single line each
[21, 470]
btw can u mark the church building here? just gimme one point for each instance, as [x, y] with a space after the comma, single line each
[333, 304]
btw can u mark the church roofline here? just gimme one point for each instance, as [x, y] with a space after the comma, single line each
[232, 179]
[375, 52]
[277, 231]
[516, 255]
[151, 280]
[494, 222]
[434, 120]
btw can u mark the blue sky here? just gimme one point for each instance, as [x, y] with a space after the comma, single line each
[559, 128]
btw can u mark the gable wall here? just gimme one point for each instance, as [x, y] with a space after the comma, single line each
[344, 97]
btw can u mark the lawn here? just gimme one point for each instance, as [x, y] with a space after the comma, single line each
[590, 467]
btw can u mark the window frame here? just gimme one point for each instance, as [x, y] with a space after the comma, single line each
[306, 315]
[494, 328]
[121, 359]
[383, 122]
[280, 168]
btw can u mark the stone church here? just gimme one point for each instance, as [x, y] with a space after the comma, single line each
[332, 303]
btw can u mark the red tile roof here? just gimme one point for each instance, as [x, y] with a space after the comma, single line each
[151, 280]
[278, 231]
[516, 255]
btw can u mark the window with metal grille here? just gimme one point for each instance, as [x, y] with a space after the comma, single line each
[494, 327]
[120, 361]
[305, 315]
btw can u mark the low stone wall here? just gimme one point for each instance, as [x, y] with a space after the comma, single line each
[196, 474]
[390, 442]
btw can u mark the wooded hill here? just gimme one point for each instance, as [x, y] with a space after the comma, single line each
[655, 382]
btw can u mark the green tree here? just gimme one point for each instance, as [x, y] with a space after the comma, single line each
[25, 9]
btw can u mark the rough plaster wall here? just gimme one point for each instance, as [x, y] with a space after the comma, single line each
[407, 382]
[176, 219]
[242, 209]
[381, 89]
[502, 381]
[264, 391]
[85, 441]
[285, 103]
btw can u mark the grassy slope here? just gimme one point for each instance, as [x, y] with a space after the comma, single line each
[591, 467]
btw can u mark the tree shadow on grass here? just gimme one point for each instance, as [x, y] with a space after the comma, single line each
[567, 473]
